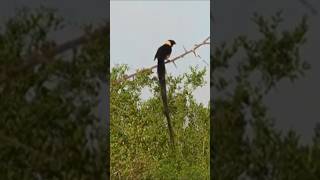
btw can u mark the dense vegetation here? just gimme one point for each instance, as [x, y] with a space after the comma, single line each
[139, 137]
[245, 143]
[47, 127]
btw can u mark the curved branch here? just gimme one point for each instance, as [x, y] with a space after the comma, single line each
[193, 50]
[47, 56]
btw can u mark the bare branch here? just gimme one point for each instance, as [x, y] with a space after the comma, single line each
[193, 50]
[309, 6]
[47, 56]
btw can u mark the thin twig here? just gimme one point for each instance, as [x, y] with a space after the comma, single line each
[193, 50]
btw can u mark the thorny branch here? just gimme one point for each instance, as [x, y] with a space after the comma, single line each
[47, 56]
[34, 58]
[309, 6]
[186, 52]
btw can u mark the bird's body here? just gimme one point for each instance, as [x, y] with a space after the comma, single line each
[162, 54]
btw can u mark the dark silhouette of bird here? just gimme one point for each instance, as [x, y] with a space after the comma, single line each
[163, 54]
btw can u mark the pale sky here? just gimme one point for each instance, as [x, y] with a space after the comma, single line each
[138, 28]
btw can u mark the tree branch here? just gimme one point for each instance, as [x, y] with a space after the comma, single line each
[193, 50]
[47, 56]
[70, 44]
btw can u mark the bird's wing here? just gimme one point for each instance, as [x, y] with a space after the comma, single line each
[163, 52]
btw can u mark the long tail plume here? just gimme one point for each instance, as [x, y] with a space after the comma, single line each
[162, 82]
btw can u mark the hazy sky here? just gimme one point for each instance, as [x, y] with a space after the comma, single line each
[138, 28]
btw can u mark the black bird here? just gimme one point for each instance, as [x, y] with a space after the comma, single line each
[163, 54]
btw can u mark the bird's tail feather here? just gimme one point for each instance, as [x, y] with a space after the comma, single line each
[162, 82]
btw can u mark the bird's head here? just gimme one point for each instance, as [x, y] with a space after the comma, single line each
[170, 42]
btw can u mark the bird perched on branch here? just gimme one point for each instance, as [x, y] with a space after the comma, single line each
[163, 54]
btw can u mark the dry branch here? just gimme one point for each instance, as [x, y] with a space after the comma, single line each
[193, 50]
[69, 44]
[47, 56]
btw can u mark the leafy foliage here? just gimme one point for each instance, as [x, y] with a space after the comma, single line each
[139, 137]
[47, 127]
[245, 143]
